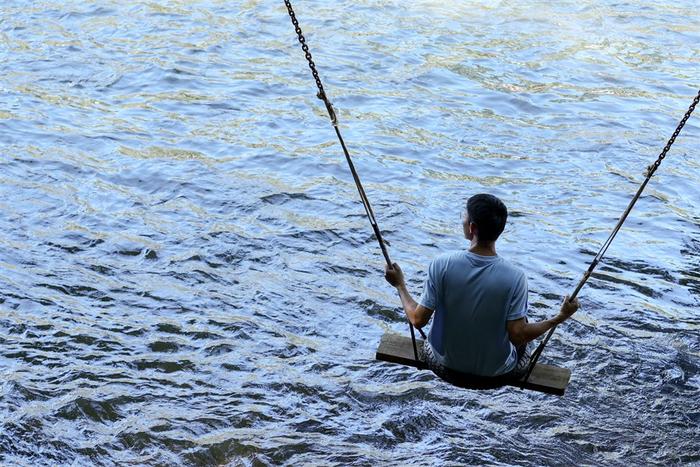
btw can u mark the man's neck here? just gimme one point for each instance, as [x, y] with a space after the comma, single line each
[483, 249]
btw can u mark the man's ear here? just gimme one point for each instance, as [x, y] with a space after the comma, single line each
[473, 230]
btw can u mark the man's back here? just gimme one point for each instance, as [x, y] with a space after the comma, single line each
[473, 297]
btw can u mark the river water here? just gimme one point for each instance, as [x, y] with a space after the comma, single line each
[187, 276]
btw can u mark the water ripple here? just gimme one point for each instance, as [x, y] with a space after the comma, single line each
[187, 276]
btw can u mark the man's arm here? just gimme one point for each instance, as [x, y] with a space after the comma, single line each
[521, 332]
[417, 314]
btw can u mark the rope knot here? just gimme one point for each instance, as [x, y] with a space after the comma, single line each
[329, 107]
[650, 171]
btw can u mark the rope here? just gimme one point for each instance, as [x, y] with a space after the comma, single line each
[358, 183]
[604, 248]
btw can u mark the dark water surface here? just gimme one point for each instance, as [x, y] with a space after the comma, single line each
[186, 275]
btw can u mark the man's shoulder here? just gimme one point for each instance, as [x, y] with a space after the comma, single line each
[515, 274]
[455, 260]
[443, 259]
[443, 263]
[511, 267]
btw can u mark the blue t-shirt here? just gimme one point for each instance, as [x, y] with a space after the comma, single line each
[473, 297]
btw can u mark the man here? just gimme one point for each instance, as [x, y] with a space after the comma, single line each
[480, 303]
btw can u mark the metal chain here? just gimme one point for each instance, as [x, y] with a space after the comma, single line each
[305, 47]
[652, 168]
[604, 248]
[312, 65]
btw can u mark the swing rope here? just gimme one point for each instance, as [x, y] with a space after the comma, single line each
[358, 183]
[604, 248]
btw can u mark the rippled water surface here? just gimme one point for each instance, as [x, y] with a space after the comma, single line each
[186, 275]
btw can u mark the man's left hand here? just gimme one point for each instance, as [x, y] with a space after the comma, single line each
[394, 275]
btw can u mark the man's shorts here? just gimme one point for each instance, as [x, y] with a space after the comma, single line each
[466, 380]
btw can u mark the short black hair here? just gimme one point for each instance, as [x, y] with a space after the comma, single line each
[489, 214]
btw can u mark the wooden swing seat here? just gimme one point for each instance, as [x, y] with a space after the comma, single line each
[549, 379]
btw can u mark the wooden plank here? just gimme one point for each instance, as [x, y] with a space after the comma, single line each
[544, 378]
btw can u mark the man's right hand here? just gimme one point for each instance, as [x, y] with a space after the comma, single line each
[568, 308]
[394, 275]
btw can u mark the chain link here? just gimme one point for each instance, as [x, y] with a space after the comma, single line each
[652, 168]
[307, 53]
